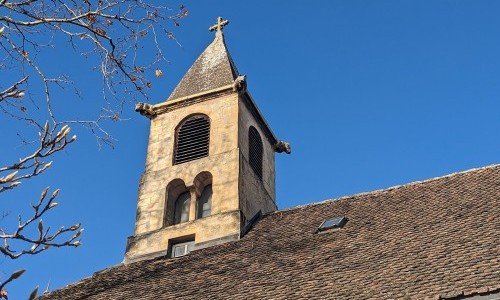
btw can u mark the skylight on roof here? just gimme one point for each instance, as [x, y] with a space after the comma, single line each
[332, 223]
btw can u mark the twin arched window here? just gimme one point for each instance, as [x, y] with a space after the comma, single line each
[192, 139]
[179, 204]
[255, 151]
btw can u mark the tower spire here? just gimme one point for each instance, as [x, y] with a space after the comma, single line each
[218, 26]
[213, 69]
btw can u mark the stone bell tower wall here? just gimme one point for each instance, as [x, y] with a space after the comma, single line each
[222, 162]
[255, 194]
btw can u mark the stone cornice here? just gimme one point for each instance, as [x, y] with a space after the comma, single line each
[173, 104]
[247, 99]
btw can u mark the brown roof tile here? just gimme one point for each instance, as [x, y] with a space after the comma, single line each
[425, 240]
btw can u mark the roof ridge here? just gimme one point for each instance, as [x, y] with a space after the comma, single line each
[376, 241]
[234, 69]
[379, 191]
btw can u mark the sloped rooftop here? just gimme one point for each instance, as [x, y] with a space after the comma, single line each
[213, 69]
[435, 239]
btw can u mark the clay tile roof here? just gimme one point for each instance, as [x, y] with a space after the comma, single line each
[435, 239]
[214, 68]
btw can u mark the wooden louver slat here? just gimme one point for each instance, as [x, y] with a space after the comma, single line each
[193, 138]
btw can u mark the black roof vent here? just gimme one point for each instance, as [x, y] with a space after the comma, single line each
[336, 222]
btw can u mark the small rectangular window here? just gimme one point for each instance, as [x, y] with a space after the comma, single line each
[181, 249]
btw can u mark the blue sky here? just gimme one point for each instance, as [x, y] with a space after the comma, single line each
[370, 94]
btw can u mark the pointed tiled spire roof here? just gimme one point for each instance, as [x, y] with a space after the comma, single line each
[213, 69]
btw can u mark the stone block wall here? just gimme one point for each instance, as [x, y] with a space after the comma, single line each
[237, 192]
[222, 164]
[255, 194]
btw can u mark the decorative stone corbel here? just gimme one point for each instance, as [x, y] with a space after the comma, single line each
[145, 110]
[240, 84]
[282, 146]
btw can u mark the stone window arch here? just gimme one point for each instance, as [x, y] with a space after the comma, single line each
[255, 151]
[192, 139]
[177, 203]
[203, 186]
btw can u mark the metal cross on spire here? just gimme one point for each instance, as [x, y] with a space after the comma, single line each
[217, 27]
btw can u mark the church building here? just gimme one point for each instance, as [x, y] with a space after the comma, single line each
[207, 225]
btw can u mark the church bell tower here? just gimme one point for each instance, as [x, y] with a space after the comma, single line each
[210, 162]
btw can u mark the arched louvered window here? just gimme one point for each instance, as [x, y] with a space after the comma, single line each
[193, 137]
[204, 206]
[255, 151]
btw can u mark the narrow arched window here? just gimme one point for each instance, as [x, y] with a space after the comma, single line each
[192, 139]
[181, 213]
[255, 151]
[204, 205]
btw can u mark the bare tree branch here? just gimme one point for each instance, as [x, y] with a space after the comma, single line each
[45, 238]
[13, 91]
[50, 142]
[110, 33]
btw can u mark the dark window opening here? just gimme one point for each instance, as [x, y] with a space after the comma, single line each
[204, 205]
[181, 213]
[172, 210]
[193, 138]
[255, 151]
